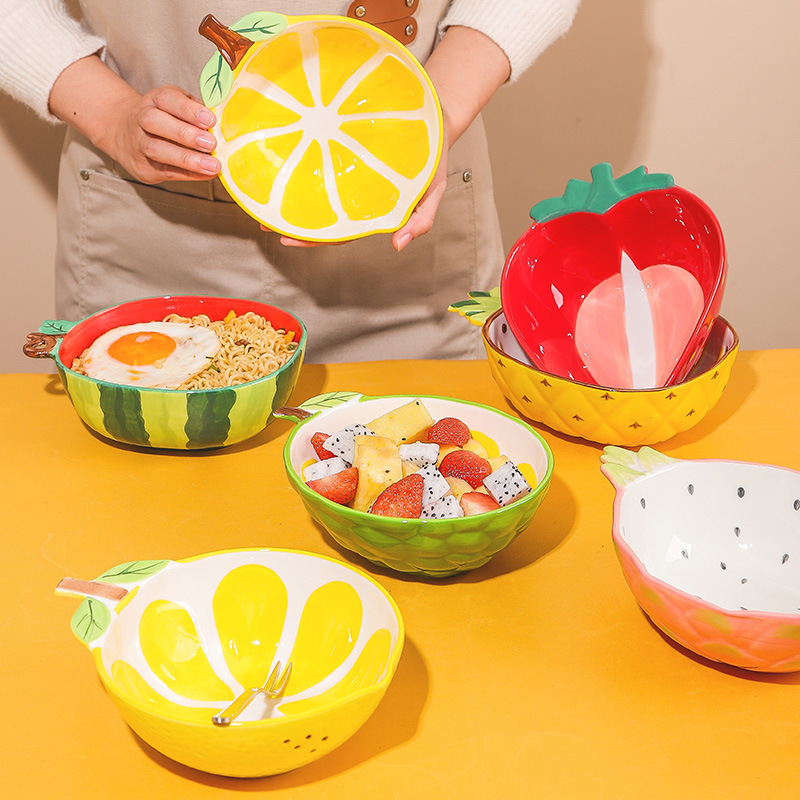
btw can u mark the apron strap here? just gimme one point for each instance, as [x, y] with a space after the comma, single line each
[395, 17]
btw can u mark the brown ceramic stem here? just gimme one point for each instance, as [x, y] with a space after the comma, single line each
[288, 411]
[39, 345]
[230, 44]
[105, 591]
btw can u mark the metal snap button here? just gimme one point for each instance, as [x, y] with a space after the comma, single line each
[409, 3]
[409, 29]
[360, 11]
[84, 173]
[467, 175]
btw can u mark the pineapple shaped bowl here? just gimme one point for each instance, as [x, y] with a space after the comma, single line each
[624, 417]
[709, 550]
[435, 546]
[174, 642]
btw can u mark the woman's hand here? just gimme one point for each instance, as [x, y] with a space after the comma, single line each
[159, 136]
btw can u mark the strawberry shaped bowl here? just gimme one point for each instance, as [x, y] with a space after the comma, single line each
[709, 550]
[627, 417]
[427, 485]
[328, 129]
[175, 642]
[618, 282]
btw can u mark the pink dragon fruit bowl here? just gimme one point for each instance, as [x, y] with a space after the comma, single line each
[445, 539]
[709, 551]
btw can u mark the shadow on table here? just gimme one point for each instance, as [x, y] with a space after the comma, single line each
[394, 722]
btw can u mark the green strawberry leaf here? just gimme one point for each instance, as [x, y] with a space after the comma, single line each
[216, 77]
[479, 307]
[601, 193]
[90, 620]
[132, 571]
[56, 327]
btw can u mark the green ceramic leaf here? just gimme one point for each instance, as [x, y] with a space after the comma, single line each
[56, 327]
[328, 400]
[90, 620]
[623, 467]
[479, 307]
[132, 571]
[216, 77]
[653, 461]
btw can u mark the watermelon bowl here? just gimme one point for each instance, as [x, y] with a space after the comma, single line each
[169, 418]
[707, 548]
[174, 642]
[425, 547]
[603, 414]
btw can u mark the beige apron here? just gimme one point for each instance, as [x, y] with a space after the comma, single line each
[119, 239]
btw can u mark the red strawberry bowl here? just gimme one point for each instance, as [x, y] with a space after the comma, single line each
[618, 282]
[410, 510]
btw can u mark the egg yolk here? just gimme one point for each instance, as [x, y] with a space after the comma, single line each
[142, 347]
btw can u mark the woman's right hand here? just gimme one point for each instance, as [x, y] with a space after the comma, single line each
[159, 136]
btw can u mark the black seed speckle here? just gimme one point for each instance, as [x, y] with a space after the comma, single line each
[740, 491]
[785, 558]
[308, 736]
[744, 580]
[684, 554]
[737, 530]
[504, 328]
[690, 488]
[723, 565]
[796, 505]
[643, 502]
[742, 608]
[324, 738]
[286, 741]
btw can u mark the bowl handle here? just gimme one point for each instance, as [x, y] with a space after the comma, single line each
[40, 345]
[314, 405]
[623, 467]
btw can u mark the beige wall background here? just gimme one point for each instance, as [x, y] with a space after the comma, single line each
[707, 91]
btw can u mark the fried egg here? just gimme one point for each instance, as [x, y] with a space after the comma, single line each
[152, 354]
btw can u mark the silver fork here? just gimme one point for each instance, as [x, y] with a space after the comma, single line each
[273, 688]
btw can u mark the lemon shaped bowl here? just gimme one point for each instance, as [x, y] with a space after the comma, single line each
[708, 549]
[327, 128]
[174, 419]
[625, 417]
[426, 547]
[174, 642]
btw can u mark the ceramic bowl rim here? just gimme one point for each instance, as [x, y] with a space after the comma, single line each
[299, 350]
[381, 686]
[399, 522]
[638, 564]
[593, 386]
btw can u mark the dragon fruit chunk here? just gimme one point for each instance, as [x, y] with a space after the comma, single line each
[443, 508]
[506, 484]
[324, 468]
[419, 453]
[435, 486]
[343, 442]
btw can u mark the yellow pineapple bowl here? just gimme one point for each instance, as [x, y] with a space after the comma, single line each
[176, 642]
[328, 129]
[625, 417]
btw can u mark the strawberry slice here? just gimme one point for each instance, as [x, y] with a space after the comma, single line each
[449, 430]
[468, 466]
[477, 503]
[402, 499]
[317, 442]
[339, 487]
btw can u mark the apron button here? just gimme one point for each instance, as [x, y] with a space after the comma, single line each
[409, 29]
[84, 173]
[409, 3]
[467, 175]
[360, 11]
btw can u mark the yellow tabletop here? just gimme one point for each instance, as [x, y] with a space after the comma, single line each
[535, 676]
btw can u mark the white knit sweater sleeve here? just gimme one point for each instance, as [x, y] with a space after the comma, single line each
[524, 29]
[38, 40]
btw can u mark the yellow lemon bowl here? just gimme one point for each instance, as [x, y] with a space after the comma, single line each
[327, 128]
[175, 642]
[625, 417]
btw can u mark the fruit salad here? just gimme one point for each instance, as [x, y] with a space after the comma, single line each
[407, 464]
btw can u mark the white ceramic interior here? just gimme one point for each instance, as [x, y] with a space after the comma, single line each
[511, 437]
[191, 584]
[727, 532]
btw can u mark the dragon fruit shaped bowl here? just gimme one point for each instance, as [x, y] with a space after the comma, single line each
[709, 550]
[426, 547]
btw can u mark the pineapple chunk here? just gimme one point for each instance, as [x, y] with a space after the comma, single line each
[497, 461]
[458, 486]
[476, 447]
[379, 465]
[409, 468]
[405, 424]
